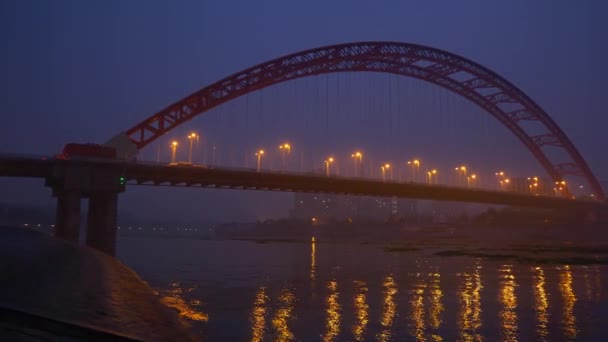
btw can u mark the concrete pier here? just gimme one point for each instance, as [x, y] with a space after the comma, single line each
[67, 217]
[101, 221]
[101, 185]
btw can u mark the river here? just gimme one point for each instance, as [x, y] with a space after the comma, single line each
[280, 291]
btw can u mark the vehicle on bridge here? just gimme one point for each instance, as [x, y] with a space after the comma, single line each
[187, 164]
[86, 151]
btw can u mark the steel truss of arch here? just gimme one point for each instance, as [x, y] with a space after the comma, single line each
[507, 103]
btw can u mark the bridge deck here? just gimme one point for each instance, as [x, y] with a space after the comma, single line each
[160, 174]
[314, 183]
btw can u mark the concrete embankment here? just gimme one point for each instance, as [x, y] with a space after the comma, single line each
[51, 289]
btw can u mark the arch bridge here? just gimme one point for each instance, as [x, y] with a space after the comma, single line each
[72, 180]
[480, 85]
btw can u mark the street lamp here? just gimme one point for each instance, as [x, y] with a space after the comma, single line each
[561, 186]
[259, 154]
[472, 179]
[358, 156]
[504, 184]
[192, 136]
[415, 164]
[461, 169]
[501, 178]
[534, 184]
[327, 162]
[384, 167]
[173, 148]
[285, 149]
[430, 175]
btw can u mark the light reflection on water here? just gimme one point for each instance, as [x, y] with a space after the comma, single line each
[264, 292]
[469, 293]
[258, 315]
[187, 309]
[569, 299]
[417, 321]
[390, 308]
[508, 298]
[333, 312]
[541, 305]
[280, 322]
[361, 310]
[436, 307]
[313, 255]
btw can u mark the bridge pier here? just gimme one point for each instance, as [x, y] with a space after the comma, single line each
[101, 184]
[101, 221]
[67, 217]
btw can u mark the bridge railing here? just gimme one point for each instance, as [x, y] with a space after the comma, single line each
[322, 174]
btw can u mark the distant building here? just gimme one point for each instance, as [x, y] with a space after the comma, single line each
[326, 207]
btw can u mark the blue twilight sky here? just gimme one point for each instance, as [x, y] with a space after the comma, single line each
[82, 71]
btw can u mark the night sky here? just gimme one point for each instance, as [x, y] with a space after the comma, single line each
[83, 71]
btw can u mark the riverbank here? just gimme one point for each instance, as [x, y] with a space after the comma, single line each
[53, 289]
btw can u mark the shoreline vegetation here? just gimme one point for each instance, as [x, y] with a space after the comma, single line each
[561, 253]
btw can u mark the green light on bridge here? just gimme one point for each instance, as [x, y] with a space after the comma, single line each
[122, 180]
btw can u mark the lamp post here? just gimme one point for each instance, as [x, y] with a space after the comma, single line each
[358, 156]
[192, 136]
[327, 163]
[430, 175]
[501, 178]
[384, 168]
[173, 148]
[534, 185]
[415, 164]
[461, 169]
[472, 180]
[285, 149]
[259, 154]
[560, 188]
[504, 184]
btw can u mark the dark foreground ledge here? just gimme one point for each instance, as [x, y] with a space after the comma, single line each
[54, 290]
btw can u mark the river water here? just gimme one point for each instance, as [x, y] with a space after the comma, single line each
[248, 291]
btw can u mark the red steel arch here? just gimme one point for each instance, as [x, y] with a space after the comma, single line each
[507, 103]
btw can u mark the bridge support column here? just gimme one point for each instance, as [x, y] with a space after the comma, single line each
[67, 217]
[101, 221]
[101, 183]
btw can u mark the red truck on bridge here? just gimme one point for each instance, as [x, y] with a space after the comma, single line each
[87, 151]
